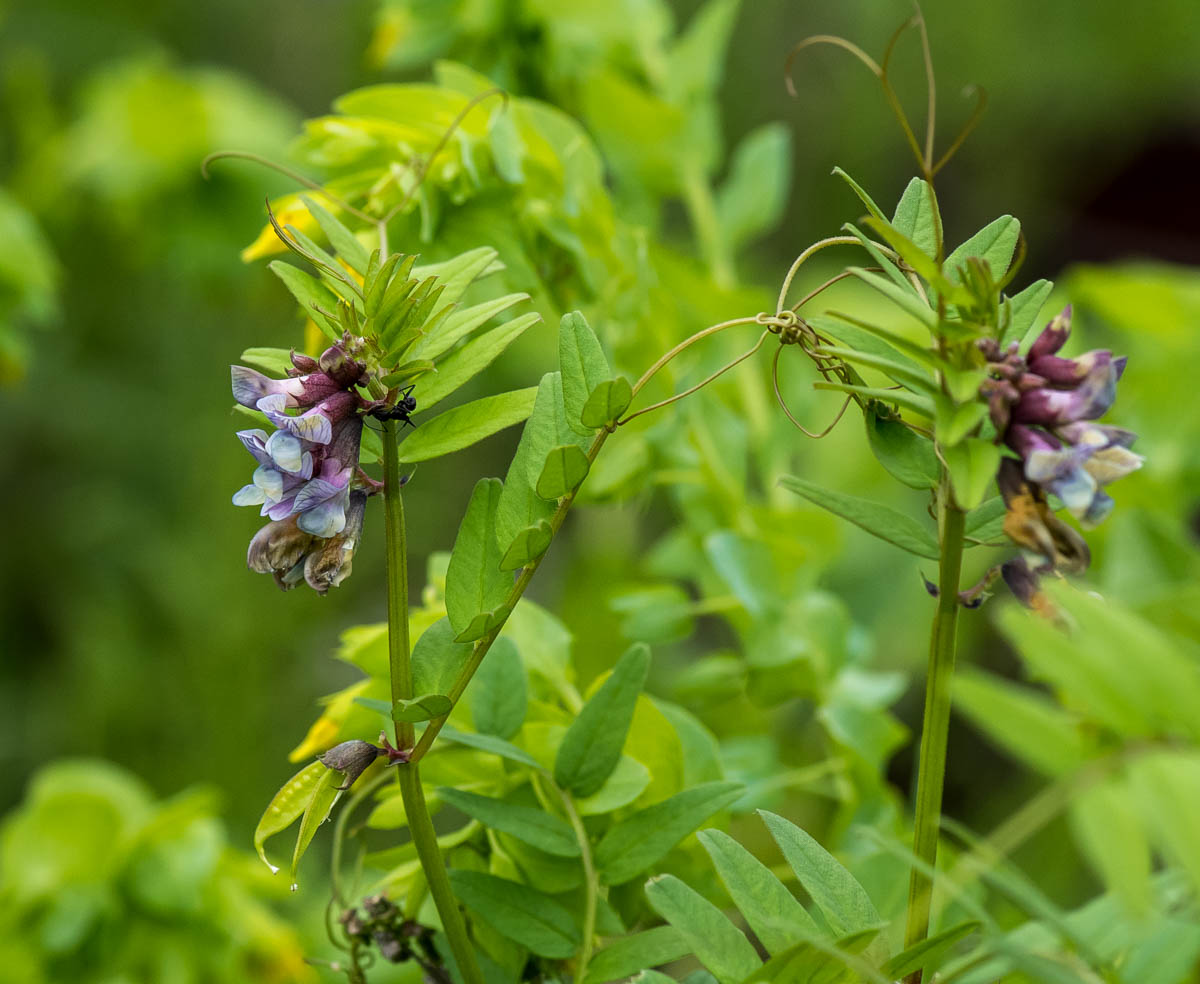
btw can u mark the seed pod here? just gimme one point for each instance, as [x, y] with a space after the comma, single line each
[350, 758]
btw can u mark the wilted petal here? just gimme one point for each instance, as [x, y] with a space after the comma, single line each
[331, 565]
[1097, 510]
[1096, 435]
[1109, 464]
[278, 547]
[1063, 473]
[1030, 524]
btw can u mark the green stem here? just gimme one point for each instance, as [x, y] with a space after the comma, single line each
[419, 823]
[702, 210]
[481, 647]
[931, 772]
[591, 885]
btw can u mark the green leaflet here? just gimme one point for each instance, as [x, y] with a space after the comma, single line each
[904, 299]
[715, 941]
[489, 743]
[778, 920]
[627, 782]
[325, 794]
[468, 361]
[877, 519]
[626, 956]
[475, 584]
[459, 272]
[527, 546]
[841, 899]
[986, 521]
[929, 952]
[916, 217]
[522, 914]
[310, 294]
[583, 366]
[909, 457]
[913, 379]
[286, 805]
[751, 199]
[564, 471]
[543, 830]
[637, 842]
[273, 360]
[465, 425]
[438, 658]
[953, 423]
[973, 464]
[423, 708]
[607, 402]
[460, 323]
[344, 242]
[863, 197]
[885, 263]
[995, 242]
[1024, 309]
[592, 745]
[816, 962]
[498, 692]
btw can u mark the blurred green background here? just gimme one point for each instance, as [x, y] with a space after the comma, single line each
[131, 628]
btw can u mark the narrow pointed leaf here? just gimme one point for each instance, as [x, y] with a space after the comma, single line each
[461, 271]
[464, 363]
[996, 242]
[929, 952]
[325, 794]
[903, 299]
[915, 216]
[626, 956]
[777, 919]
[639, 841]
[1024, 309]
[592, 745]
[286, 806]
[465, 425]
[842, 900]
[715, 941]
[583, 366]
[461, 322]
[423, 708]
[909, 457]
[912, 379]
[522, 914]
[877, 519]
[474, 582]
[490, 743]
[536, 827]
[309, 293]
[863, 197]
[340, 237]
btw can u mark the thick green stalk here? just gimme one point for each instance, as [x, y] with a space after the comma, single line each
[419, 823]
[931, 772]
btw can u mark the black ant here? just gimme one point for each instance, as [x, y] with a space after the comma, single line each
[404, 406]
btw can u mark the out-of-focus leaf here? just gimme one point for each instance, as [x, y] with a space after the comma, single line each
[973, 465]
[929, 952]
[498, 691]
[715, 941]
[340, 237]
[312, 295]
[878, 520]
[532, 919]
[751, 199]
[626, 956]
[592, 745]
[777, 919]
[423, 708]
[490, 743]
[637, 842]
[624, 785]
[842, 900]
[1111, 832]
[543, 830]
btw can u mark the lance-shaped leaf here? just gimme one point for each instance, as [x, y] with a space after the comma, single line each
[312, 295]
[591, 748]
[922, 262]
[461, 322]
[340, 237]
[750, 201]
[524, 915]
[909, 457]
[1023, 310]
[986, 521]
[438, 658]
[465, 363]
[777, 919]
[715, 941]
[913, 379]
[640, 840]
[276, 361]
[867, 337]
[886, 263]
[286, 806]
[379, 278]
[877, 519]
[467, 424]
[916, 216]
[995, 242]
[863, 197]
[842, 900]
[626, 956]
[536, 827]
[325, 794]
[490, 744]
[817, 960]
[929, 952]
[475, 585]
[973, 465]
[499, 691]
[459, 272]
[583, 366]
[607, 402]
[565, 469]
[903, 299]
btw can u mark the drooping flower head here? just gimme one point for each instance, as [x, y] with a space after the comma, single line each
[1043, 407]
[306, 480]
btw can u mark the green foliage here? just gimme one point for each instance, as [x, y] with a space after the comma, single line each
[100, 880]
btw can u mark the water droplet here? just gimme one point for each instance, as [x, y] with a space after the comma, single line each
[295, 886]
[274, 868]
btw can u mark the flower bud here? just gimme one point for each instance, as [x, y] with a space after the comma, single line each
[350, 758]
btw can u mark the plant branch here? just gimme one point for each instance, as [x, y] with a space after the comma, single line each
[931, 771]
[400, 670]
[591, 884]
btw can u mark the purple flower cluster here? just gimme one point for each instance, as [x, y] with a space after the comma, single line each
[306, 470]
[1044, 406]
